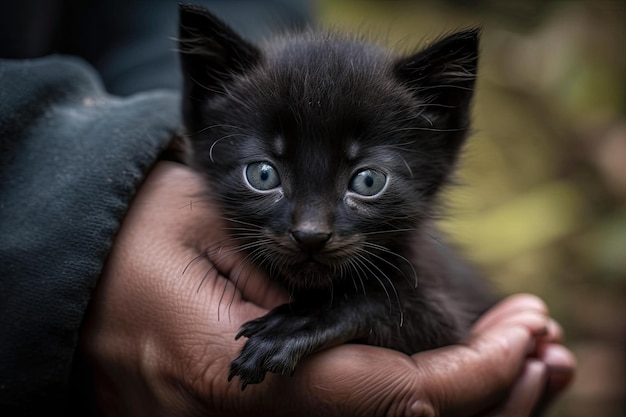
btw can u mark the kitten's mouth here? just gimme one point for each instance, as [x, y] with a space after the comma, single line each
[311, 265]
[309, 273]
[314, 269]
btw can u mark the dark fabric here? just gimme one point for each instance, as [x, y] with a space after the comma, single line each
[129, 42]
[71, 159]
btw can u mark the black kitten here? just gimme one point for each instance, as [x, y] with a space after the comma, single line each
[326, 155]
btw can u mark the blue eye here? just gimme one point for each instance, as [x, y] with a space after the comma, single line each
[262, 176]
[368, 182]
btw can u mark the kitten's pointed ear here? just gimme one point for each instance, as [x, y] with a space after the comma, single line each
[211, 53]
[444, 73]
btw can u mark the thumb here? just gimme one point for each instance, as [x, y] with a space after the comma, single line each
[355, 380]
[464, 380]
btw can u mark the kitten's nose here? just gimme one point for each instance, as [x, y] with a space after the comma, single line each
[308, 240]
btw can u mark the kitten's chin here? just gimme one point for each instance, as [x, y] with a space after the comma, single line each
[308, 275]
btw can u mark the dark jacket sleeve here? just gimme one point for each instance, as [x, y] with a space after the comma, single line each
[71, 159]
[130, 42]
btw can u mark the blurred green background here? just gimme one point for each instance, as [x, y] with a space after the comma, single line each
[542, 201]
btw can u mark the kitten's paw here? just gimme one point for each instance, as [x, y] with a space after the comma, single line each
[276, 343]
[260, 356]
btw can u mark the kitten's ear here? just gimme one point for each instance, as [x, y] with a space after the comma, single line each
[444, 73]
[211, 53]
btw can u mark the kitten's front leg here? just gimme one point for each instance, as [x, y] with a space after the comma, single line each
[281, 338]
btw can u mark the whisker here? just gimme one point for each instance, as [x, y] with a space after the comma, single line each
[386, 250]
[356, 267]
[243, 287]
[235, 220]
[204, 277]
[202, 255]
[390, 231]
[218, 141]
[364, 261]
[204, 129]
[251, 256]
[393, 287]
[427, 129]
[436, 238]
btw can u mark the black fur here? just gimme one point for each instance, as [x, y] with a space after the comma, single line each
[316, 109]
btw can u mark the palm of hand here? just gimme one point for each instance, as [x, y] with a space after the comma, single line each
[161, 332]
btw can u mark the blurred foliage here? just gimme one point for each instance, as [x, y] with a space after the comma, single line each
[542, 201]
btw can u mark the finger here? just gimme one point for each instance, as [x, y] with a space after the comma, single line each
[364, 380]
[191, 227]
[535, 322]
[525, 393]
[561, 368]
[510, 307]
[483, 378]
[554, 332]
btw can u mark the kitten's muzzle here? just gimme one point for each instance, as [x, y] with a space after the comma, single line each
[309, 241]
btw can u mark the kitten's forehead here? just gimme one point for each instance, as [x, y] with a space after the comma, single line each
[321, 69]
[332, 87]
[328, 93]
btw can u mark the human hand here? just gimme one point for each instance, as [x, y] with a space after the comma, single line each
[160, 334]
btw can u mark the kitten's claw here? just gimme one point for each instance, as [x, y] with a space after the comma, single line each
[276, 343]
[245, 377]
[259, 356]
